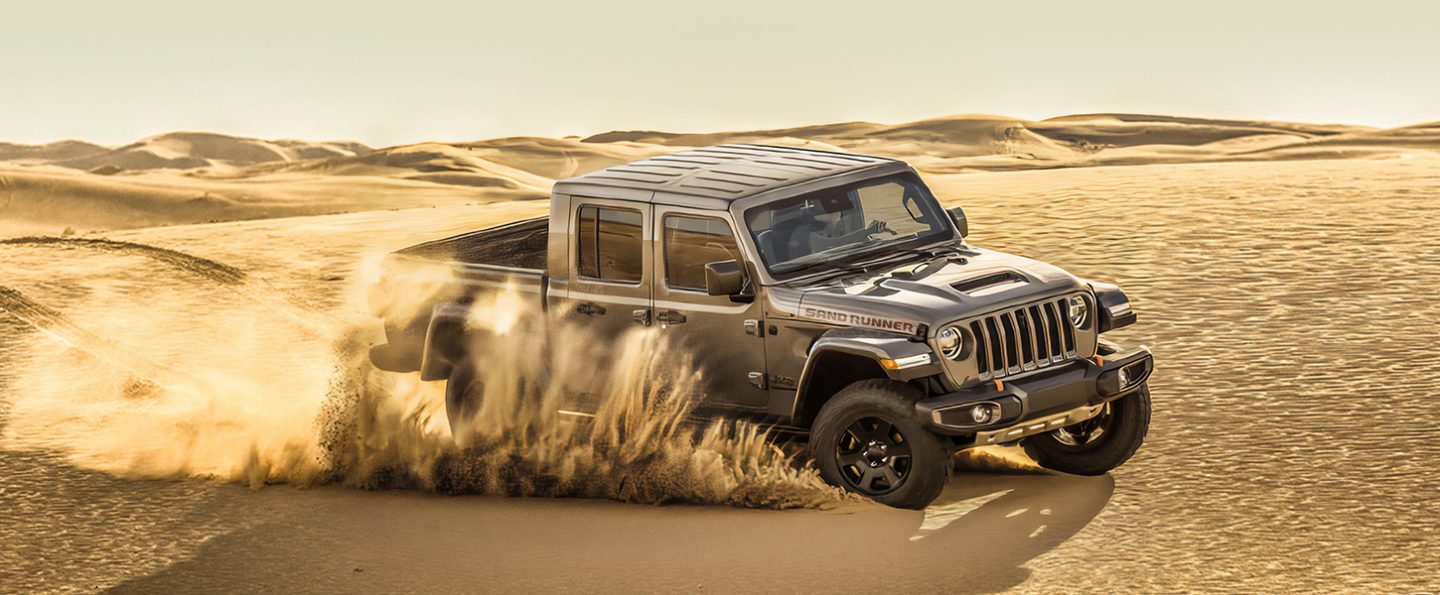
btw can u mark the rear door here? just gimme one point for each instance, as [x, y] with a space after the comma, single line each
[719, 336]
[610, 278]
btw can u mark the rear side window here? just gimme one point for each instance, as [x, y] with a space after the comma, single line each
[609, 245]
[690, 244]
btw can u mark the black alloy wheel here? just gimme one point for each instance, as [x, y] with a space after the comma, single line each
[874, 457]
[867, 439]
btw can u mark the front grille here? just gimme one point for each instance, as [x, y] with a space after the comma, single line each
[1022, 339]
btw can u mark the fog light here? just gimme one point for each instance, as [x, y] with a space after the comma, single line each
[981, 413]
[1124, 377]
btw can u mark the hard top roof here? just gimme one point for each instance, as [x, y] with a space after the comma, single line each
[724, 172]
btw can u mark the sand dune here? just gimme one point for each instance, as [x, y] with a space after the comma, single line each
[48, 200]
[193, 177]
[176, 150]
[557, 159]
[56, 151]
[429, 162]
[966, 143]
[194, 150]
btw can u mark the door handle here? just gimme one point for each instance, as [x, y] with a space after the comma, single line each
[590, 309]
[641, 316]
[669, 317]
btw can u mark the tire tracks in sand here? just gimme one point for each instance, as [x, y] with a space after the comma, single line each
[52, 322]
[204, 267]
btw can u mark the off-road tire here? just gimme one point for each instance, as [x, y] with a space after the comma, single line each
[892, 402]
[1130, 419]
[463, 393]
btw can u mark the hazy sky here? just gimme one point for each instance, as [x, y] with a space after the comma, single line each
[404, 71]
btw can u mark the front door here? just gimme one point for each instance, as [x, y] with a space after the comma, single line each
[721, 336]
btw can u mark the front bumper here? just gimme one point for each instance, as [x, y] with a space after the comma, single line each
[1040, 402]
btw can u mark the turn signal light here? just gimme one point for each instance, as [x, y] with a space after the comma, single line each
[905, 362]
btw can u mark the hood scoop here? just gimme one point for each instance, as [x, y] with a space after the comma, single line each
[990, 284]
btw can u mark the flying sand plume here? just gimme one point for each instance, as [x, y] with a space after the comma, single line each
[327, 416]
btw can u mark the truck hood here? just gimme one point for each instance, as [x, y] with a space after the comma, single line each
[934, 291]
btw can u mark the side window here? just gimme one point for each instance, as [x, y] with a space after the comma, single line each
[690, 244]
[609, 244]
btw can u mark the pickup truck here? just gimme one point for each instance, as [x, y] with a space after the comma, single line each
[825, 293]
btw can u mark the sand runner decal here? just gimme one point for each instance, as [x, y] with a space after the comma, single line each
[858, 319]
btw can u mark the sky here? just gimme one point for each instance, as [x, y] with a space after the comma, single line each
[392, 72]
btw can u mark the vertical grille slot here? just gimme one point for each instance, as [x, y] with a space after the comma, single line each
[997, 346]
[1027, 339]
[1069, 334]
[1052, 316]
[1012, 343]
[1021, 339]
[982, 347]
[1042, 335]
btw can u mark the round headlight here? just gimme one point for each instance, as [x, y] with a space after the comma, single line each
[951, 341]
[1079, 311]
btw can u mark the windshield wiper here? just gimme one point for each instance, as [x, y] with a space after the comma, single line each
[823, 257]
[833, 259]
[865, 265]
[887, 255]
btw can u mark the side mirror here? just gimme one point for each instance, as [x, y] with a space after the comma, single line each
[957, 215]
[724, 278]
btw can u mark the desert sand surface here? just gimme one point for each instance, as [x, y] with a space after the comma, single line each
[1282, 273]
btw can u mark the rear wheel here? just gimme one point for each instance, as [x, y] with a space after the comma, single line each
[866, 439]
[1099, 444]
[463, 395]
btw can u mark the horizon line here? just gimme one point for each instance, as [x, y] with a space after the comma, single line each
[453, 140]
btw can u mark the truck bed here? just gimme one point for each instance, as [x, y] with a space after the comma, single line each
[510, 256]
[519, 245]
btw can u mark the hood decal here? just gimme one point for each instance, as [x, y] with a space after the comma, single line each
[859, 319]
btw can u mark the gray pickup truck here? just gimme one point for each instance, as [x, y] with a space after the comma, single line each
[825, 293]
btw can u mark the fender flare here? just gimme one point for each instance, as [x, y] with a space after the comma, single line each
[444, 340]
[1112, 307]
[877, 346]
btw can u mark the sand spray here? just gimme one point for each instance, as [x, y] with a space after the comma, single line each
[239, 396]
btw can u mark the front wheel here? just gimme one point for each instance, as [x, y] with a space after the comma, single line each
[867, 440]
[1099, 444]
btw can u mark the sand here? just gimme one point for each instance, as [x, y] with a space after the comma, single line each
[1282, 273]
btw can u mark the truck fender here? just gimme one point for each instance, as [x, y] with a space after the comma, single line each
[858, 354]
[444, 340]
[1112, 307]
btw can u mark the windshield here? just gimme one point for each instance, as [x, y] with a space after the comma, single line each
[795, 233]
